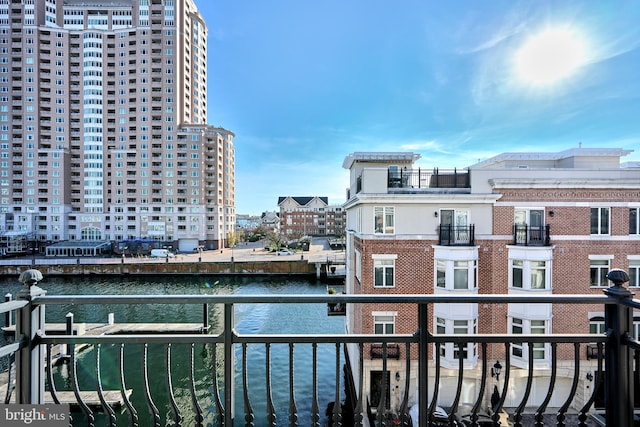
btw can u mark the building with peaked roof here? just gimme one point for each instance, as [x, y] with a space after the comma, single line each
[105, 136]
[310, 216]
[518, 223]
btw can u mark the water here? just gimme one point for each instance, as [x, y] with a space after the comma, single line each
[250, 318]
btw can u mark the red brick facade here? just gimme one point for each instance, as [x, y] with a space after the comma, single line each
[572, 245]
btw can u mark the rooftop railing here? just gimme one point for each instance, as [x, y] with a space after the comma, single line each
[424, 179]
[32, 380]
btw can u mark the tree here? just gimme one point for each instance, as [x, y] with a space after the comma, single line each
[231, 239]
[274, 240]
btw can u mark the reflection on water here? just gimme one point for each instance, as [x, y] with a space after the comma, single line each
[250, 319]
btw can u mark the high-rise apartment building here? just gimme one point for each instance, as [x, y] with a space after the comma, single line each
[103, 132]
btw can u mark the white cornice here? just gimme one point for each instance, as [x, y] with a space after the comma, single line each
[422, 199]
[537, 183]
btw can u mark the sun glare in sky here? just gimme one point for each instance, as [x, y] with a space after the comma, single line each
[550, 56]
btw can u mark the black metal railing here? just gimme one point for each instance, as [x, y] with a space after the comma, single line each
[418, 178]
[377, 350]
[527, 235]
[451, 235]
[186, 403]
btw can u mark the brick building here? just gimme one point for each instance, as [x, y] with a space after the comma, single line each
[310, 216]
[517, 223]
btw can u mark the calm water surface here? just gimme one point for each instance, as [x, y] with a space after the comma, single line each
[250, 318]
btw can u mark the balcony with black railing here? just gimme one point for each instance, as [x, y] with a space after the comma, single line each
[456, 235]
[528, 235]
[410, 366]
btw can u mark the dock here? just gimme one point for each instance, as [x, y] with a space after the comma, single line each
[91, 398]
[116, 328]
[113, 398]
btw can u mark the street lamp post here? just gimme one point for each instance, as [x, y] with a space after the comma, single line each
[495, 370]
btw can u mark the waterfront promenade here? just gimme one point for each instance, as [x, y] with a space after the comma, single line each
[249, 258]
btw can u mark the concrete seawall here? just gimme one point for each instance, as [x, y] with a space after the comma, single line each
[175, 267]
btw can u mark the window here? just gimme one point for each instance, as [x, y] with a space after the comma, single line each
[451, 351]
[599, 269]
[454, 227]
[634, 272]
[634, 221]
[461, 275]
[529, 225]
[521, 326]
[384, 323]
[383, 273]
[383, 220]
[516, 273]
[530, 274]
[456, 275]
[596, 325]
[599, 220]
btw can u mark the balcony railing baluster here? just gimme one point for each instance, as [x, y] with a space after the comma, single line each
[337, 408]
[147, 392]
[76, 388]
[105, 406]
[315, 410]
[177, 416]
[473, 416]
[293, 410]
[192, 386]
[248, 410]
[52, 385]
[517, 415]
[456, 400]
[123, 389]
[359, 408]
[436, 384]
[574, 385]
[271, 410]
[582, 413]
[539, 414]
[505, 386]
[405, 420]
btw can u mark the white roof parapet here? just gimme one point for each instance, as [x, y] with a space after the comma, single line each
[373, 156]
[572, 152]
[630, 165]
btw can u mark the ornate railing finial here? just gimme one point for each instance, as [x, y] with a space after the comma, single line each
[30, 277]
[618, 277]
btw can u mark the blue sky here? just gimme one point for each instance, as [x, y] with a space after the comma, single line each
[304, 83]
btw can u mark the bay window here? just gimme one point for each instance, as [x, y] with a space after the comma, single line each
[530, 274]
[450, 352]
[520, 350]
[456, 274]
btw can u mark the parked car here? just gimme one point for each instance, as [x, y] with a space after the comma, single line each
[439, 418]
[162, 253]
[284, 252]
